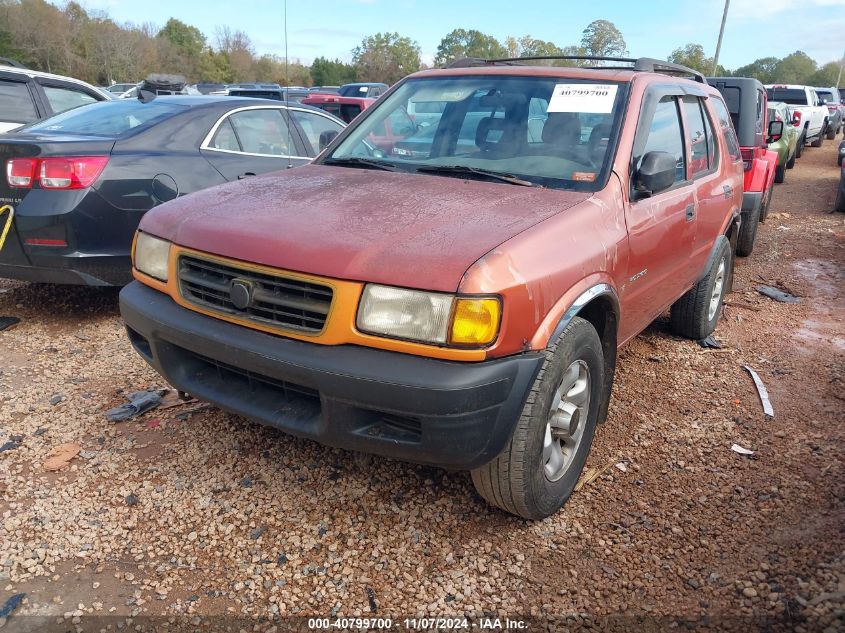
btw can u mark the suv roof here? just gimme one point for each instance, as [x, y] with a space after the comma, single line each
[37, 73]
[633, 65]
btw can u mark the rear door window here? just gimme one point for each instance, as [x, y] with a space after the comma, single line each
[724, 121]
[665, 135]
[63, 99]
[16, 104]
[697, 136]
[264, 132]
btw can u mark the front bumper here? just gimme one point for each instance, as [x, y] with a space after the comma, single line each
[456, 415]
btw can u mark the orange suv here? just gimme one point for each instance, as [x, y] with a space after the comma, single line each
[456, 298]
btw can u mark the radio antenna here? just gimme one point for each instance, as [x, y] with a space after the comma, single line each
[287, 88]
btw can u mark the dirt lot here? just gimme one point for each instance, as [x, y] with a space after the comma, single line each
[213, 516]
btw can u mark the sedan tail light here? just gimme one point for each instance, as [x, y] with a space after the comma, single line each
[20, 172]
[74, 172]
[78, 172]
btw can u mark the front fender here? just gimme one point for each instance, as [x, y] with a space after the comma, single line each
[571, 303]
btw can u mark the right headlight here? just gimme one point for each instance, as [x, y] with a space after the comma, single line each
[429, 317]
[152, 256]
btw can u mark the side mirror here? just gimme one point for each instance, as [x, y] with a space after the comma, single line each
[656, 173]
[326, 138]
[775, 131]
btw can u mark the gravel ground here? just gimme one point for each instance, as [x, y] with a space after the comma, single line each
[210, 516]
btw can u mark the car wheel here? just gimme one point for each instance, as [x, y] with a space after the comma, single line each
[791, 162]
[839, 205]
[748, 232]
[780, 176]
[819, 140]
[799, 150]
[831, 132]
[696, 313]
[537, 471]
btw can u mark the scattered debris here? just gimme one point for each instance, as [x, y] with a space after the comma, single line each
[173, 398]
[709, 342]
[745, 306]
[371, 598]
[11, 604]
[778, 295]
[131, 499]
[184, 415]
[9, 446]
[56, 398]
[591, 474]
[255, 533]
[8, 322]
[761, 390]
[154, 423]
[139, 402]
[736, 448]
[61, 455]
[623, 466]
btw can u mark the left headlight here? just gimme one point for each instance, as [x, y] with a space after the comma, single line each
[429, 317]
[152, 255]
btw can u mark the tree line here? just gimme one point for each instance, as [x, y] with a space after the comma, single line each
[89, 45]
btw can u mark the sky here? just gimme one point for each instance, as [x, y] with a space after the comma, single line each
[652, 28]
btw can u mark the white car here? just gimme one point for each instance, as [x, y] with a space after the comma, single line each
[807, 109]
[27, 96]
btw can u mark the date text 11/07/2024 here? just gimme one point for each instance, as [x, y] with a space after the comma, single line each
[417, 624]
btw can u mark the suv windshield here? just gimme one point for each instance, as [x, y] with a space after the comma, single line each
[107, 118]
[792, 96]
[552, 132]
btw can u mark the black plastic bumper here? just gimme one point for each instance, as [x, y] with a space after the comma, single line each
[450, 414]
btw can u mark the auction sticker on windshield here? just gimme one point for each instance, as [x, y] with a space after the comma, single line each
[592, 98]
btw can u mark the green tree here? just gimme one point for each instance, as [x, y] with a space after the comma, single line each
[825, 76]
[531, 47]
[796, 68]
[385, 57]
[326, 72]
[188, 39]
[602, 38]
[762, 69]
[462, 43]
[693, 56]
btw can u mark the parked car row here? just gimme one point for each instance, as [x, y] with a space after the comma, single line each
[446, 280]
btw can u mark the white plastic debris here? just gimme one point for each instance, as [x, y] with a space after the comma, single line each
[623, 466]
[736, 448]
[761, 391]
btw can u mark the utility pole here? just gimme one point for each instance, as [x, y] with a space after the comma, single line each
[721, 33]
[842, 65]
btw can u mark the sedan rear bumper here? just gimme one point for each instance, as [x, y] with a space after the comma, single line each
[452, 414]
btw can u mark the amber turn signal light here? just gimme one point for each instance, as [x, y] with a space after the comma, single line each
[475, 321]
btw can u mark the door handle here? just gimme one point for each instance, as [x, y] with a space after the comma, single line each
[245, 174]
[690, 212]
[729, 191]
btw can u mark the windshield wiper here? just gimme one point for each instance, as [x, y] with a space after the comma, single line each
[366, 163]
[464, 170]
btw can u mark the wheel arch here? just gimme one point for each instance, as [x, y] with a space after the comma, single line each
[599, 306]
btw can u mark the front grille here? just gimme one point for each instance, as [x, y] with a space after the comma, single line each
[279, 301]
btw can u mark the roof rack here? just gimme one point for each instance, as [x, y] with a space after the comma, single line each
[640, 64]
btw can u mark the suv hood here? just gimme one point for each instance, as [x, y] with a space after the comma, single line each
[413, 230]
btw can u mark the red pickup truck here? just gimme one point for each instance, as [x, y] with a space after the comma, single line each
[344, 108]
[460, 305]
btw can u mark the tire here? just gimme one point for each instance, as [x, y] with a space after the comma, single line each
[819, 140]
[524, 479]
[780, 176]
[831, 132]
[839, 205]
[799, 150]
[791, 162]
[695, 314]
[748, 232]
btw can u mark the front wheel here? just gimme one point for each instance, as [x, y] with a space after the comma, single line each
[696, 313]
[819, 140]
[799, 151]
[839, 205]
[791, 162]
[537, 471]
[831, 132]
[780, 174]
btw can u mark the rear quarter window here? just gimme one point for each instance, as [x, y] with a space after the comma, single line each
[16, 105]
[723, 119]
